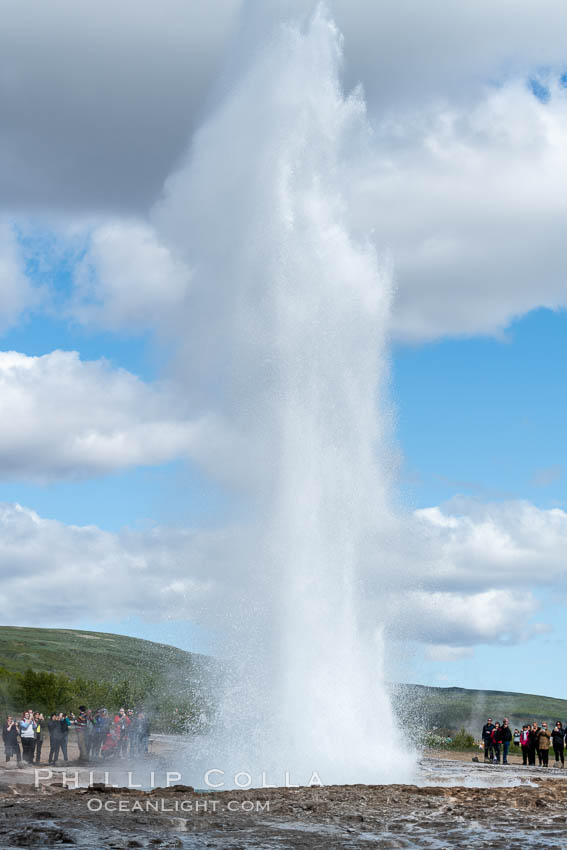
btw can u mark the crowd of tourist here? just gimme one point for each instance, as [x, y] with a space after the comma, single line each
[534, 741]
[98, 735]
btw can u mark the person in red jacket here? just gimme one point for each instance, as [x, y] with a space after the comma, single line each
[525, 744]
[111, 744]
[496, 738]
[122, 725]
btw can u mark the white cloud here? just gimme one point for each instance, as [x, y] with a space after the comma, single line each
[56, 573]
[136, 78]
[462, 182]
[475, 573]
[470, 200]
[407, 53]
[62, 417]
[97, 101]
[500, 545]
[492, 616]
[467, 196]
[128, 278]
[52, 572]
[16, 293]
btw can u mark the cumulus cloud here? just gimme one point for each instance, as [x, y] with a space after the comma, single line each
[63, 417]
[464, 181]
[57, 573]
[16, 292]
[471, 202]
[412, 52]
[178, 573]
[112, 90]
[492, 616]
[466, 195]
[471, 571]
[127, 278]
[54, 573]
[500, 545]
[97, 102]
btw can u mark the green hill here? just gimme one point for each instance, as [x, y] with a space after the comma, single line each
[179, 675]
[93, 655]
[58, 669]
[455, 708]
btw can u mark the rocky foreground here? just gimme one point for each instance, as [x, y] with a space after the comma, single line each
[361, 816]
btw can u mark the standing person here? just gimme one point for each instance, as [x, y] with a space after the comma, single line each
[143, 733]
[533, 744]
[506, 738]
[10, 738]
[525, 744]
[496, 738]
[89, 732]
[122, 725]
[543, 744]
[39, 722]
[516, 737]
[65, 725]
[558, 741]
[101, 722]
[486, 737]
[131, 723]
[54, 727]
[134, 735]
[27, 736]
[81, 722]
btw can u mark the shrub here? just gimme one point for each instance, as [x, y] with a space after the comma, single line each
[463, 740]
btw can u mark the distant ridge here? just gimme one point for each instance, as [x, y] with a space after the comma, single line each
[453, 708]
[112, 658]
[93, 655]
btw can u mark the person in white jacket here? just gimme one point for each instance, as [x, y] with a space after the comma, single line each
[27, 736]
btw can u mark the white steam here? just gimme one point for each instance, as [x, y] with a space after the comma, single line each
[286, 340]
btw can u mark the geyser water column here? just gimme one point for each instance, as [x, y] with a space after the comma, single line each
[287, 340]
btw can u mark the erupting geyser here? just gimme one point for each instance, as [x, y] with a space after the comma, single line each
[292, 322]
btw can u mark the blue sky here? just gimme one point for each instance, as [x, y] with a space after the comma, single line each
[480, 416]
[485, 417]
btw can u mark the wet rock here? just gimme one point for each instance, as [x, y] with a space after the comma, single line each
[303, 819]
[39, 837]
[177, 789]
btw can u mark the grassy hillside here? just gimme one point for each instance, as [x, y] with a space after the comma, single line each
[93, 655]
[115, 658]
[453, 708]
[58, 669]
